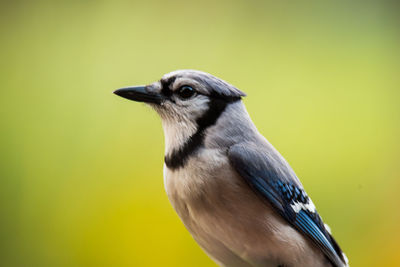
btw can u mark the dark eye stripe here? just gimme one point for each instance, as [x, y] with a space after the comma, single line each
[166, 86]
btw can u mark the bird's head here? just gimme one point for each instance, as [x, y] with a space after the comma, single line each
[189, 102]
[185, 99]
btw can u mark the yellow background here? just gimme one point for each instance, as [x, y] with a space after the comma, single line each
[81, 169]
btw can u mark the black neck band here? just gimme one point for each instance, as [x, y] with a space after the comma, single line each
[179, 157]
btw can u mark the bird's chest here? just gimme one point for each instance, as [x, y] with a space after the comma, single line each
[198, 178]
[199, 192]
[217, 207]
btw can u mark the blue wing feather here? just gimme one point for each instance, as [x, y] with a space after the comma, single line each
[306, 223]
[271, 177]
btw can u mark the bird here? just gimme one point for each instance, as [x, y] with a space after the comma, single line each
[234, 192]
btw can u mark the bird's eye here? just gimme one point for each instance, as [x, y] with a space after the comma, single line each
[186, 92]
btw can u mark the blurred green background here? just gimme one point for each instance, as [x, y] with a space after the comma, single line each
[81, 169]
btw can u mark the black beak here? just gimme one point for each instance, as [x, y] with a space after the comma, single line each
[140, 94]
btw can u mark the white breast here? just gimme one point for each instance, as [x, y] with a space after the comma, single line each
[228, 220]
[196, 176]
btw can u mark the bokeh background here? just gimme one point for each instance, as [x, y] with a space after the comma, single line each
[81, 169]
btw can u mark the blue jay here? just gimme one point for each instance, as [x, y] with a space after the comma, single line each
[234, 192]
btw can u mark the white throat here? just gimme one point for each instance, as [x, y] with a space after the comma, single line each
[177, 133]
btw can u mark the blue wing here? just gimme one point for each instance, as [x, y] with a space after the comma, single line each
[271, 177]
